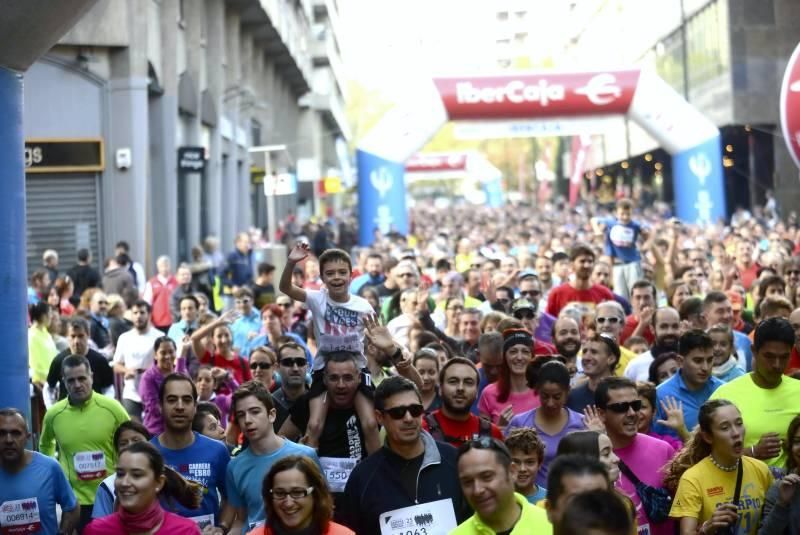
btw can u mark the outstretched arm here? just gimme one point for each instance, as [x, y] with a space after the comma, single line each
[297, 254]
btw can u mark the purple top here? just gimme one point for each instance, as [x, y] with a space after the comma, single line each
[149, 385]
[528, 419]
[676, 444]
[224, 401]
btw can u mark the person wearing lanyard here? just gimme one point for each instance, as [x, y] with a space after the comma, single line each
[82, 427]
[707, 475]
[412, 474]
[254, 413]
[31, 484]
[297, 500]
[192, 455]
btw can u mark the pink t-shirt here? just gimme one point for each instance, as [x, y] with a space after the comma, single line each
[520, 401]
[646, 457]
[173, 525]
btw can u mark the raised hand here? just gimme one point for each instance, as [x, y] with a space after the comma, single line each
[299, 252]
[768, 446]
[229, 316]
[378, 335]
[592, 420]
[505, 416]
[674, 411]
[787, 489]
[422, 301]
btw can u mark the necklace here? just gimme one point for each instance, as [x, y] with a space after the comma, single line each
[723, 468]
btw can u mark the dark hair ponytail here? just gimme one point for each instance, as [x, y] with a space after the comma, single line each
[176, 487]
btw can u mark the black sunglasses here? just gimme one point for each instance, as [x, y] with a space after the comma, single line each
[290, 362]
[261, 365]
[398, 413]
[524, 314]
[624, 406]
[533, 293]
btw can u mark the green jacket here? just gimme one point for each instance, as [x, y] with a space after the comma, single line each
[533, 520]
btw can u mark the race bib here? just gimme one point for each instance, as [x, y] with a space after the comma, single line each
[202, 521]
[20, 516]
[337, 471]
[434, 518]
[89, 465]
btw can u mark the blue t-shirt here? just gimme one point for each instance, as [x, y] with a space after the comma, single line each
[692, 400]
[205, 462]
[539, 495]
[621, 240]
[242, 327]
[245, 476]
[32, 492]
[483, 382]
[743, 347]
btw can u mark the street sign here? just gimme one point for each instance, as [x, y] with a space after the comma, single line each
[790, 106]
[280, 184]
[63, 155]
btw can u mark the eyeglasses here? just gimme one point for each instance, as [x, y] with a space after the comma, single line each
[290, 362]
[624, 406]
[242, 301]
[295, 494]
[260, 365]
[793, 272]
[531, 293]
[612, 320]
[455, 307]
[102, 302]
[398, 413]
[524, 314]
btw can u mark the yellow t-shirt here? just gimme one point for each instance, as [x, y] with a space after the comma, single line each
[704, 486]
[625, 356]
[763, 410]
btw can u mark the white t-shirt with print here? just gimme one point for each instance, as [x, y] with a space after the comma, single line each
[338, 326]
[135, 351]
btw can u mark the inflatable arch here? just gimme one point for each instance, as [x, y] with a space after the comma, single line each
[641, 95]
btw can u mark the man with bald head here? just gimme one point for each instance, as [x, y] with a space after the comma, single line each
[666, 326]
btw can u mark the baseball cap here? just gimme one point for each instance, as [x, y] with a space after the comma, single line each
[522, 304]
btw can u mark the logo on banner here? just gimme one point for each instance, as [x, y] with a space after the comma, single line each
[515, 91]
[384, 218]
[700, 166]
[381, 180]
[601, 89]
[704, 205]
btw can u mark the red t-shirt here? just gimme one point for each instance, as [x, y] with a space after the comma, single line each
[794, 361]
[238, 366]
[457, 432]
[565, 294]
[748, 275]
[631, 322]
[543, 348]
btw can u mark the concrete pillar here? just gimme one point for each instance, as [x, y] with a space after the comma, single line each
[21, 43]
[129, 129]
[215, 22]
[194, 60]
[230, 187]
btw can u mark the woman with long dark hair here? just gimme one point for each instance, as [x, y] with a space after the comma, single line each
[297, 500]
[511, 394]
[704, 474]
[781, 514]
[143, 478]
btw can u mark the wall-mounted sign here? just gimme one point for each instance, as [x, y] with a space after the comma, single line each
[64, 155]
[191, 159]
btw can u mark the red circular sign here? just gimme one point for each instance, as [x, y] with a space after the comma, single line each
[790, 106]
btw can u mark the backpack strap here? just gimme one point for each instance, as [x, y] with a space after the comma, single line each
[434, 428]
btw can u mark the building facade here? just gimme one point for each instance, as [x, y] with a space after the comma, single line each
[138, 124]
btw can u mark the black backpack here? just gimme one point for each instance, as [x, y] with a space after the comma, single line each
[484, 430]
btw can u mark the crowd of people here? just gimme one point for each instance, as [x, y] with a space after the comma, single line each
[516, 370]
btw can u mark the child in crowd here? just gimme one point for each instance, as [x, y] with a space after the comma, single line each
[527, 453]
[621, 234]
[338, 319]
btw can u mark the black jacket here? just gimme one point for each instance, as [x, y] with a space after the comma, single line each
[375, 487]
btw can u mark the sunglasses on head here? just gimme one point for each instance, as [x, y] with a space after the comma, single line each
[485, 443]
[624, 406]
[290, 362]
[398, 413]
[260, 365]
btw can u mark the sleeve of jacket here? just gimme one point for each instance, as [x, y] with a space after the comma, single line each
[775, 517]
[347, 513]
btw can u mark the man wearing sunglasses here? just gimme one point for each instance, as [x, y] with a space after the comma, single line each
[292, 369]
[526, 311]
[410, 471]
[609, 318]
[618, 407]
